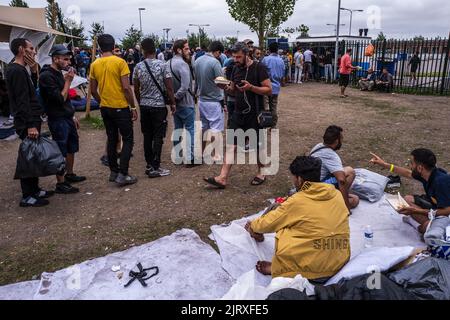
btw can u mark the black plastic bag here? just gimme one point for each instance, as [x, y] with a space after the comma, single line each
[39, 158]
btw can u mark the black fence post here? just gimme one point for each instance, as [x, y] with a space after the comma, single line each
[444, 71]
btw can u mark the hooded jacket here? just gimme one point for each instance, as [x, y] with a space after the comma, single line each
[312, 233]
[51, 83]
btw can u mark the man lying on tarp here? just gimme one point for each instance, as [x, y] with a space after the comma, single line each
[312, 226]
[436, 182]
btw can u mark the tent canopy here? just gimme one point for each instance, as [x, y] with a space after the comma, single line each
[26, 18]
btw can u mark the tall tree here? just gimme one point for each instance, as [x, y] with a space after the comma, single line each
[133, 37]
[76, 30]
[381, 37]
[18, 3]
[261, 16]
[193, 39]
[96, 30]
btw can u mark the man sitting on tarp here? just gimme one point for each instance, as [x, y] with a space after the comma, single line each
[333, 171]
[312, 226]
[436, 182]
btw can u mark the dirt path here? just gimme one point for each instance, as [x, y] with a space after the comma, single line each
[76, 228]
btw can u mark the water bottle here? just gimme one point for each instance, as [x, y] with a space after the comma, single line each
[368, 237]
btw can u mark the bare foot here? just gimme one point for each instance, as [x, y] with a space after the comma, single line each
[264, 268]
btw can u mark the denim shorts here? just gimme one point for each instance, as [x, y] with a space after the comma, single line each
[65, 134]
[331, 180]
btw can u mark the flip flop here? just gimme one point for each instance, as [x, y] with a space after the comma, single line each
[257, 181]
[214, 183]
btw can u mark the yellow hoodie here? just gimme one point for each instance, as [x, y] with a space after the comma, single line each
[312, 233]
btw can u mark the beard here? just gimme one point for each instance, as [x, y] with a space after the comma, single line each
[416, 175]
[338, 147]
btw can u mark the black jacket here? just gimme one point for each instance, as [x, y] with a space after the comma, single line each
[23, 100]
[51, 83]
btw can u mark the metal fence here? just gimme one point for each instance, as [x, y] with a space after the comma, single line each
[432, 75]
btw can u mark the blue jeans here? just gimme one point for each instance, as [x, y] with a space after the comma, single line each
[184, 118]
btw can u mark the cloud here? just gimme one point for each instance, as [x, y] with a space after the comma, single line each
[399, 18]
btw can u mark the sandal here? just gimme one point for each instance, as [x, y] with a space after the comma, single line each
[214, 183]
[257, 181]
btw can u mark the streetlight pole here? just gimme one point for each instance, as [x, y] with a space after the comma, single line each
[166, 33]
[199, 31]
[140, 18]
[336, 52]
[351, 17]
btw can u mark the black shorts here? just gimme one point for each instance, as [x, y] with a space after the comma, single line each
[423, 202]
[344, 80]
[244, 122]
[65, 134]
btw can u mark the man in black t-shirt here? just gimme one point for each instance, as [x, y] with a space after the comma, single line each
[414, 63]
[250, 82]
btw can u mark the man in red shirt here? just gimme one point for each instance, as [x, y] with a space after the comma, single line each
[345, 70]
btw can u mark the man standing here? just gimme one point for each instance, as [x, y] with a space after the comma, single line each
[414, 63]
[276, 68]
[26, 110]
[184, 117]
[250, 82]
[152, 82]
[345, 70]
[333, 171]
[110, 86]
[207, 68]
[328, 63]
[307, 69]
[436, 183]
[299, 62]
[54, 89]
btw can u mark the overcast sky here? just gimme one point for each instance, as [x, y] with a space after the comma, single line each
[397, 18]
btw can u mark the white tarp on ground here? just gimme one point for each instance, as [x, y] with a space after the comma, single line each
[189, 270]
[240, 252]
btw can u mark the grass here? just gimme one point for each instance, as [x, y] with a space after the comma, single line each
[94, 122]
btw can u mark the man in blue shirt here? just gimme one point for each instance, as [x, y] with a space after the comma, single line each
[436, 182]
[276, 68]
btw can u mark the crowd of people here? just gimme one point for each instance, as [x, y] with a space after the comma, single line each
[312, 226]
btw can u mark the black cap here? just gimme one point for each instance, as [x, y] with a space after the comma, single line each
[60, 50]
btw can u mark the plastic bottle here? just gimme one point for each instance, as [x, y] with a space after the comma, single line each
[368, 237]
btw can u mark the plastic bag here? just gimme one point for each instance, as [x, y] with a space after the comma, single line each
[369, 185]
[435, 238]
[39, 158]
[428, 279]
[370, 50]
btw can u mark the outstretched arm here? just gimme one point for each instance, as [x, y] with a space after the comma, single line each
[398, 170]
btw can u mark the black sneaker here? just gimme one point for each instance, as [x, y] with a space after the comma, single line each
[65, 188]
[113, 176]
[159, 173]
[148, 170]
[395, 182]
[42, 194]
[104, 160]
[32, 202]
[73, 178]
[123, 180]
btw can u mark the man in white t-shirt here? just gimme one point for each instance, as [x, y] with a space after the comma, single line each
[298, 59]
[333, 171]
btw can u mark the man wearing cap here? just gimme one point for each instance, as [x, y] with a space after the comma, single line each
[54, 89]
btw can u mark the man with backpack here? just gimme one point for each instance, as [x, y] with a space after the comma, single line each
[153, 88]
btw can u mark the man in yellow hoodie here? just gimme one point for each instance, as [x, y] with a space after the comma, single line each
[312, 228]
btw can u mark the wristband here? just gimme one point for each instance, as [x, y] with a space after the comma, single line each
[392, 168]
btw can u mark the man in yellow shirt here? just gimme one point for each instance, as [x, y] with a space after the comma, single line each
[110, 86]
[312, 228]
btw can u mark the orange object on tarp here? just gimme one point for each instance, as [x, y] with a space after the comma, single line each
[370, 50]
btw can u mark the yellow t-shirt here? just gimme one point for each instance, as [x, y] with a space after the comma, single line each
[107, 72]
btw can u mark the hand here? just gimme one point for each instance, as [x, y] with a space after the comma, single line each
[173, 109]
[245, 86]
[257, 236]
[377, 160]
[409, 211]
[134, 115]
[31, 62]
[222, 86]
[33, 133]
[77, 123]
[68, 77]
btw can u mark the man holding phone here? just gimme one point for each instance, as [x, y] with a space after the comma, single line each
[250, 82]
[54, 89]
[26, 110]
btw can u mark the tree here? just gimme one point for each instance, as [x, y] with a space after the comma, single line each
[133, 37]
[193, 39]
[18, 3]
[381, 37]
[419, 38]
[96, 30]
[261, 16]
[157, 39]
[304, 31]
[54, 15]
